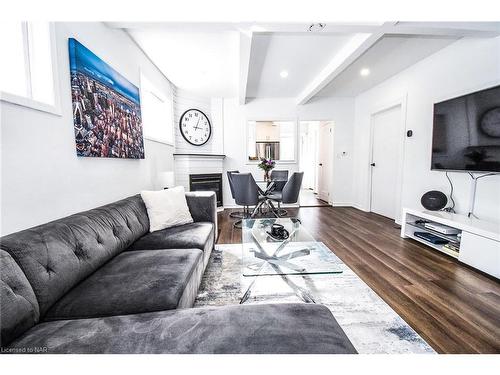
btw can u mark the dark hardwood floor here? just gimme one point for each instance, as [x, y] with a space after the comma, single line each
[454, 308]
[307, 198]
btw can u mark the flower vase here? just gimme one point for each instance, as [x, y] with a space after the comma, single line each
[266, 176]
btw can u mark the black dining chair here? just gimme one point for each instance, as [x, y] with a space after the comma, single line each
[236, 214]
[289, 194]
[246, 194]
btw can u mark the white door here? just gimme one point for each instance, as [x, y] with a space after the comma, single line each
[325, 146]
[386, 139]
[308, 153]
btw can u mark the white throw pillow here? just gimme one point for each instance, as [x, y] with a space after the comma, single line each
[166, 208]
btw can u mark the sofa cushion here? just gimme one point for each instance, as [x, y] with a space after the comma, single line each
[19, 309]
[278, 328]
[195, 235]
[57, 255]
[132, 282]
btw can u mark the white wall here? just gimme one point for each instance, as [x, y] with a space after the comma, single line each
[339, 110]
[42, 178]
[465, 66]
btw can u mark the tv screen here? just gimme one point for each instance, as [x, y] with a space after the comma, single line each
[466, 132]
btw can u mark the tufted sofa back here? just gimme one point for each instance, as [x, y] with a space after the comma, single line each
[57, 255]
[19, 309]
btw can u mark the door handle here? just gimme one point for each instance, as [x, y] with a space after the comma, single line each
[372, 164]
[320, 164]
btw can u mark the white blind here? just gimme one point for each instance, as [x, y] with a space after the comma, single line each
[157, 112]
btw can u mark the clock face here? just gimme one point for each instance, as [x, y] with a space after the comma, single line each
[195, 127]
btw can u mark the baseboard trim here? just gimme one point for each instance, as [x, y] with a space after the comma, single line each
[358, 207]
[240, 207]
[334, 204]
[342, 204]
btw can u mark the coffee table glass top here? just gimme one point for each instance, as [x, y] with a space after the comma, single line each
[300, 254]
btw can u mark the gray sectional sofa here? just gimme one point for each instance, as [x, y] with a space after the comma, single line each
[99, 282]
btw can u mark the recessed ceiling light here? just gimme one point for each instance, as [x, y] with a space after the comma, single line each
[364, 72]
[283, 74]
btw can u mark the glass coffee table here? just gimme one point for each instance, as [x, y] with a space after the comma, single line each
[298, 255]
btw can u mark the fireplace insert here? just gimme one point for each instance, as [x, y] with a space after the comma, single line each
[207, 182]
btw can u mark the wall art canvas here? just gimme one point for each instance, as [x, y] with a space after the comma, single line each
[106, 108]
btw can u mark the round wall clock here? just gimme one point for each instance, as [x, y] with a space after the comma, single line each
[195, 127]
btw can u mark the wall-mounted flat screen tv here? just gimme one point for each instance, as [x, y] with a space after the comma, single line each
[466, 132]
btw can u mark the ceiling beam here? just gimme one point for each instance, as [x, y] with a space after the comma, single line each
[480, 29]
[261, 27]
[358, 45]
[361, 43]
[439, 32]
[245, 52]
[366, 35]
[451, 29]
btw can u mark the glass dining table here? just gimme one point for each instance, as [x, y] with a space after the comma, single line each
[263, 184]
[266, 186]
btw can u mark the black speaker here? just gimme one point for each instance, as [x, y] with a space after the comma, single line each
[434, 200]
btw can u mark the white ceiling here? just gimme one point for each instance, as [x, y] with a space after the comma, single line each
[302, 55]
[388, 56]
[204, 63]
[244, 60]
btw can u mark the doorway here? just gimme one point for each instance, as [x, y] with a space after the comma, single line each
[315, 160]
[385, 162]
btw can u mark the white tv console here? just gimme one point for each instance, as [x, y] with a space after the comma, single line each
[478, 243]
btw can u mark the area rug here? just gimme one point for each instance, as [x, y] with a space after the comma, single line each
[370, 323]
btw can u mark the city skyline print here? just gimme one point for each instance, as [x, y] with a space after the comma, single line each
[106, 108]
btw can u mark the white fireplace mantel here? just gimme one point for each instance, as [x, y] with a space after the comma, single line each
[187, 164]
[199, 156]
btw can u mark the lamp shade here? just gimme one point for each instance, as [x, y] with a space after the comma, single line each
[166, 179]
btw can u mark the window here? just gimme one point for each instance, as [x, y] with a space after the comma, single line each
[271, 139]
[28, 69]
[157, 113]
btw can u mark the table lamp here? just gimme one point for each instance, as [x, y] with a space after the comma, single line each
[166, 179]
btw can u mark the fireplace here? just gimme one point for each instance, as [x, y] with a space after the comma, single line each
[207, 182]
